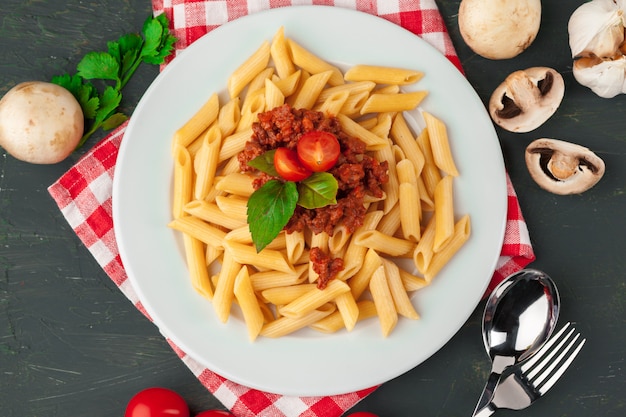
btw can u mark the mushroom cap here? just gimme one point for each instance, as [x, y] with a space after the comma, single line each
[499, 29]
[40, 122]
[563, 167]
[526, 99]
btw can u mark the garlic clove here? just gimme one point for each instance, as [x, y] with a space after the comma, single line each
[606, 78]
[596, 28]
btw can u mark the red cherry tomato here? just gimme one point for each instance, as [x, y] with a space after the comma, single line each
[287, 165]
[157, 402]
[215, 413]
[318, 151]
[362, 414]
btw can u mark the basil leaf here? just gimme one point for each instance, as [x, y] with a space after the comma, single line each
[265, 163]
[269, 210]
[319, 190]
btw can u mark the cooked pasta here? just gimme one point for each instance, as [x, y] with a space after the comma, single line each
[278, 289]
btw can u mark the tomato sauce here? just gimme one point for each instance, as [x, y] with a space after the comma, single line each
[357, 173]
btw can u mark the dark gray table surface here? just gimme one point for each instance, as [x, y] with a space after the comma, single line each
[72, 345]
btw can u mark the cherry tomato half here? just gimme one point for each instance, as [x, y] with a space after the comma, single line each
[318, 151]
[288, 166]
[215, 413]
[362, 414]
[157, 402]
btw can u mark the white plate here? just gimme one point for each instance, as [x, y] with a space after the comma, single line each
[307, 363]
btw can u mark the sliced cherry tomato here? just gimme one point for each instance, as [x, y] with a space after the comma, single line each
[288, 166]
[362, 414]
[157, 402]
[215, 413]
[318, 151]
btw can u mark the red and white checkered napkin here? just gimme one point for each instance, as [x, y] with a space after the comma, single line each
[84, 193]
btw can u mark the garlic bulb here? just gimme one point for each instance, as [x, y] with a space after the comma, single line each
[596, 34]
[606, 78]
[597, 28]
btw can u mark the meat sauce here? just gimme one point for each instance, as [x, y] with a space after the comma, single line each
[357, 174]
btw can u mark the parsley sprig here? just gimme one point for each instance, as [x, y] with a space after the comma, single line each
[115, 67]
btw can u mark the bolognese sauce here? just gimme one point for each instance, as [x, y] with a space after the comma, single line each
[357, 174]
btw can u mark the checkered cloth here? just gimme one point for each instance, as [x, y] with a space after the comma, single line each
[84, 193]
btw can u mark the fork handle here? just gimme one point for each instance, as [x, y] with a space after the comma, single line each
[487, 395]
[486, 411]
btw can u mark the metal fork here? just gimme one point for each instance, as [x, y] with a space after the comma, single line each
[531, 379]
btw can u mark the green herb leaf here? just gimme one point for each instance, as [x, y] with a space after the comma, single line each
[153, 32]
[114, 121]
[100, 65]
[319, 190]
[130, 47]
[269, 210]
[117, 64]
[265, 163]
[109, 101]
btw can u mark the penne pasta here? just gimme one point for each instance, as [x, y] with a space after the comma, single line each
[461, 234]
[310, 90]
[348, 309]
[200, 230]
[351, 127]
[401, 299]
[205, 162]
[196, 262]
[286, 325]
[410, 213]
[444, 213]
[383, 75]
[378, 102]
[312, 63]
[224, 287]
[198, 123]
[277, 288]
[439, 143]
[383, 300]
[249, 304]
[267, 258]
[403, 137]
[279, 51]
[183, 180]
[335, 322]
[385, 244]
[211, 213]
[246, 72]
[314, 299]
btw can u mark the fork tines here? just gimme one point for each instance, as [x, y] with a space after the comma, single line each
[543, 369]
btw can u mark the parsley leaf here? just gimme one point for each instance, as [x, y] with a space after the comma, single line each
[269, 210]
[117, 64]
[99, 65]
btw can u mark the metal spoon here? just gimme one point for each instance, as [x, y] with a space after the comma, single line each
[520, 315]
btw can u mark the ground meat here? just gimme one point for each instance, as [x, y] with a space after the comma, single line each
[357, 173]
[326, 267]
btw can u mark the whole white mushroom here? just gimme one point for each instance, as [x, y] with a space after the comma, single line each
[40, 122]
[499, 29]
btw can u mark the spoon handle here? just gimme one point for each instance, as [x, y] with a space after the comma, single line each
[488, 391]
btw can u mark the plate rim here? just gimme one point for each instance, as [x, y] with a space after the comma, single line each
[130, 130]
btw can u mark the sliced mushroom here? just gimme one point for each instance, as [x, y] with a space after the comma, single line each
[526, 99]
[563, 167]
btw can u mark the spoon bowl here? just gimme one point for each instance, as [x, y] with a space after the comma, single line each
[520, 315]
